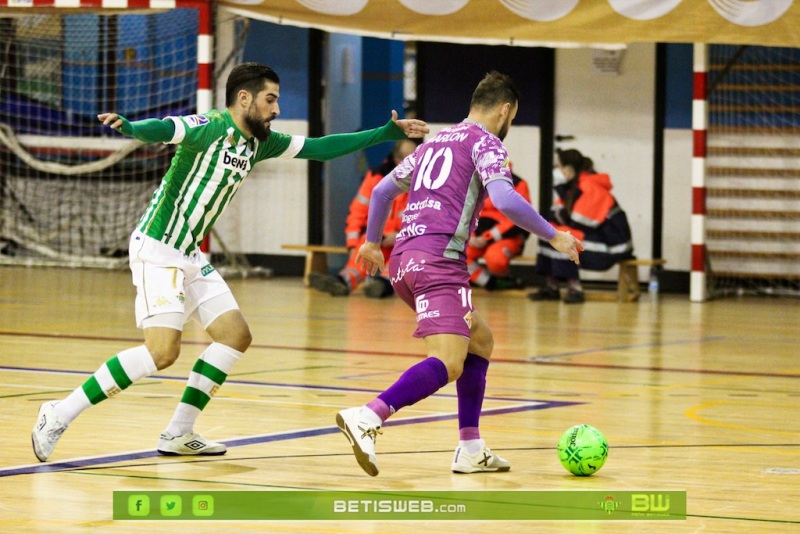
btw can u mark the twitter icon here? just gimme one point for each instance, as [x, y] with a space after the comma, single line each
[171, 505]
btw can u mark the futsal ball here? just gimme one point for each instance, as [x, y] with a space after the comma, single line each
[582, 450]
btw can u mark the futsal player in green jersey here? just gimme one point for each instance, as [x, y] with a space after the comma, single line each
[174, 280]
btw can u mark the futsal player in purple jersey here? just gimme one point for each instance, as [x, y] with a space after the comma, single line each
[448, 178]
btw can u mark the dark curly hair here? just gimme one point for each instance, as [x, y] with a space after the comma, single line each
[248, 76]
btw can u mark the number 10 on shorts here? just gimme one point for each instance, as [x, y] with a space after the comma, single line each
[466, 297]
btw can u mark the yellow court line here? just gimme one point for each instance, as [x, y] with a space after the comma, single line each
[684, 385]
[693, 414]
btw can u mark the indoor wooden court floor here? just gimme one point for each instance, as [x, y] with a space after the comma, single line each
[696, 397]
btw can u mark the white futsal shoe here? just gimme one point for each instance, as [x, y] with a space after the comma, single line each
[483, 461]
[47, 431]
[362, 436]
[190, 444]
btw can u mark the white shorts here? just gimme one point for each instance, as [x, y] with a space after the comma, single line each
[168, 281]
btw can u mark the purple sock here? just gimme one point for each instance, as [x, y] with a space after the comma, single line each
[470, 387]
[418, 382]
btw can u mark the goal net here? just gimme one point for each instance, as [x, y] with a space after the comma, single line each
[71, 189]
[753, 170]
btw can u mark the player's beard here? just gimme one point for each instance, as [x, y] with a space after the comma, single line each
[504, 130]
[256, 125]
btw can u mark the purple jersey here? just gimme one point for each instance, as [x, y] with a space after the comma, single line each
[446, 181]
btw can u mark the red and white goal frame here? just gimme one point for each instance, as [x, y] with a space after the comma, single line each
[205, 36]
[43, 238]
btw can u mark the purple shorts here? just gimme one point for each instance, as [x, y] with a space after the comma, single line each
[437, 289]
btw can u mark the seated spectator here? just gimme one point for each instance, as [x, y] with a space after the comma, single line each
[352, 275]
[584, 206]
[497, 240]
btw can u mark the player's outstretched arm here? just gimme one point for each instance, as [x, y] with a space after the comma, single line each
[516, 208]
[337, 145]
[113, 121]
[413, 128]
[148, 130]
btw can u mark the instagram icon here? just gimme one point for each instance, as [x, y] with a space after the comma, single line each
[203, 505]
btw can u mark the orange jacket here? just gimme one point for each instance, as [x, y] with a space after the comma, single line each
[595, 200]
[356, 222]
[595, 218]
[591, 207]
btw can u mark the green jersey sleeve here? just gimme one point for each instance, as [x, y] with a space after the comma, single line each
[279, 145]
[197, 131]
[285, 146]
[336, 145]
[149, 130]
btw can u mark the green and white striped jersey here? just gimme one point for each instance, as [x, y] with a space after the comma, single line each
[212, 160]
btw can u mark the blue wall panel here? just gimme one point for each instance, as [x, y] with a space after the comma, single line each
[285, 49]
[176, 63]
[81, 72]
[679, 86]
[382, 88]
[134, 59]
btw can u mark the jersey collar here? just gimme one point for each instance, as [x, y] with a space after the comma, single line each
[476, 123]
[251, 140]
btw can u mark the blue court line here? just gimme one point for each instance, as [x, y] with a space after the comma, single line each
[263, 438]
[231, 380]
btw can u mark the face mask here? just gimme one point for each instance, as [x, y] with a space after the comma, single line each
[558, 176]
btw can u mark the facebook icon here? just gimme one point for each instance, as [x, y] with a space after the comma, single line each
[138, 505]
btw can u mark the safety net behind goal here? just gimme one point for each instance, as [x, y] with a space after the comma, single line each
[71, 189]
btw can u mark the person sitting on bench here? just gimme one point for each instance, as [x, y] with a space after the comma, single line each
[497, 240]
[584, 206]
[352, 275]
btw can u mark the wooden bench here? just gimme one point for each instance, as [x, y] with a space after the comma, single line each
[525, 260]
[316, 257]
[627, 281]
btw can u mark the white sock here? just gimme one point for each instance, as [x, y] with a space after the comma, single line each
[208, 374]
[183, 419]
[472, 446]
[107, 381]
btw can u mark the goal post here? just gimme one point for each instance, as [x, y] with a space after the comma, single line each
[746, 177]
[71, 190]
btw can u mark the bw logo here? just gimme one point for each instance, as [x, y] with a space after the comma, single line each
[654, 502]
